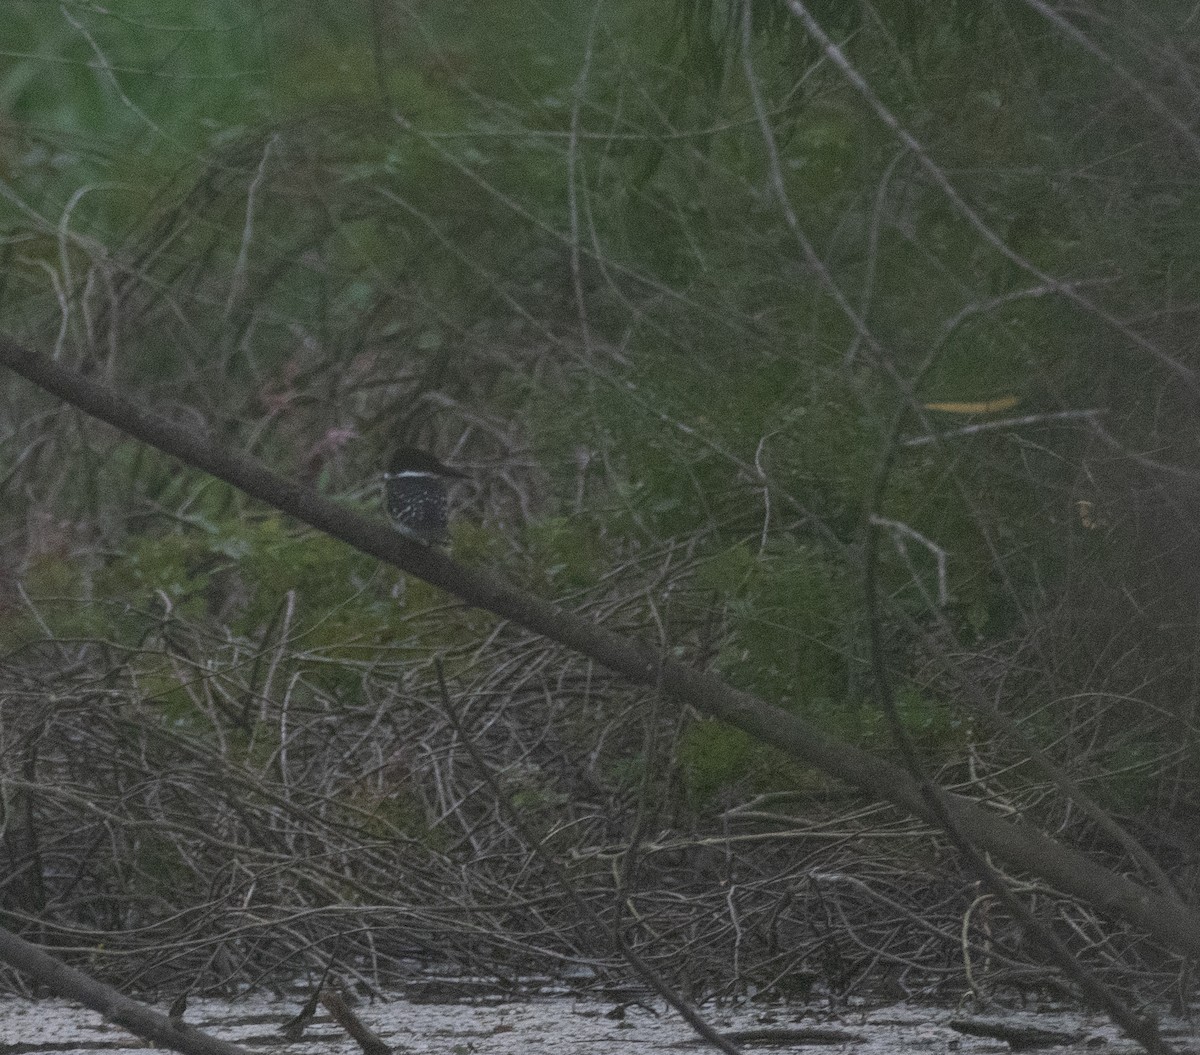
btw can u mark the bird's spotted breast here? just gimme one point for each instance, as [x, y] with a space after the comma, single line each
[417, 505]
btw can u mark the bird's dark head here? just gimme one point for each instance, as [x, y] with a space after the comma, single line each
[415, 460]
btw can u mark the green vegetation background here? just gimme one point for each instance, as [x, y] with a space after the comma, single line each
[564, 244]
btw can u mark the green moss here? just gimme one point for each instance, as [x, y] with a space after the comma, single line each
[792, 632]
[714, 758]
[568, 553]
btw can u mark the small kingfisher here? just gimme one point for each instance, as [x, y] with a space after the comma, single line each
[416, 495]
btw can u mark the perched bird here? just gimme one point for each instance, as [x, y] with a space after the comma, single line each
[415, 494]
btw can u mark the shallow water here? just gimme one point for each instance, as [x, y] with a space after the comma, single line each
[560, 1025]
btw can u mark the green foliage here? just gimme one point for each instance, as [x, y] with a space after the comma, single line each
[790, 624]
[301, 224]
[714, 756]
[718, 762]
[794, 636]
[567, 553]
[236, 573]
[57, 587]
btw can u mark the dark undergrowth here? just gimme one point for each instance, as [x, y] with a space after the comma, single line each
[674, 289]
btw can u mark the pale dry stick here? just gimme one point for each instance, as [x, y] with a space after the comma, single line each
[775, 836]
[766, 491]
[281, 753]
[735, 922]
[630, 391]
[38, 618]
[872, 256]
[940, 555]
[1152, 101]
[368, 737]
[64, 308]
[237, 282]
[908, 828]
[95, 249]
[664, 642]
[450, 801]
[40, 438]
[191, 679]
[40, 222]
[965, 945]
[1096, 942]
[64, 257]
[289, 614]
[1003, 423]
[1067, 290]
[674, 135]
[106, 68]
[578, 93]
[223, 685]
[112, 329]
[1153, 464]
[89, 320]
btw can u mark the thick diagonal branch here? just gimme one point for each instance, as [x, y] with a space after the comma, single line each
[140, 1020]
[1018, 846]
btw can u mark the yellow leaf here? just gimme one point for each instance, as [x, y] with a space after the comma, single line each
[991, 406]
